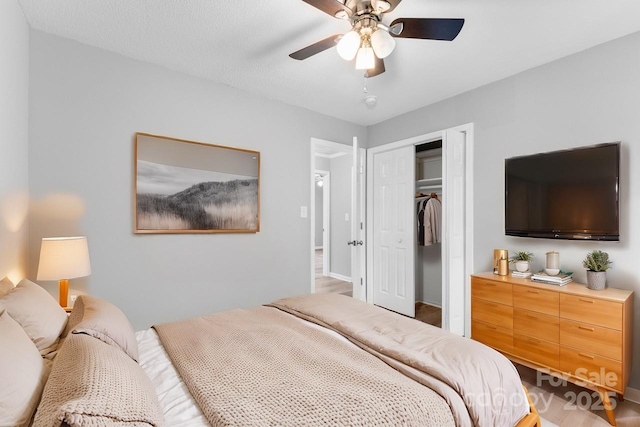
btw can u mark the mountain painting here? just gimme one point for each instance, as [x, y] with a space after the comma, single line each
[195, 187]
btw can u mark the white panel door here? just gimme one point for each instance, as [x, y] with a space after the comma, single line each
[358, 255]
[454, 209]
[393, 230]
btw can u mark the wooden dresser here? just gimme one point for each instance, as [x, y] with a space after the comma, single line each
[568, 331]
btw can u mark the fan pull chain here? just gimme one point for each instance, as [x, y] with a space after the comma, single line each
[365, 90]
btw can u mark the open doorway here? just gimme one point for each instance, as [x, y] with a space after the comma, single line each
[330, 217]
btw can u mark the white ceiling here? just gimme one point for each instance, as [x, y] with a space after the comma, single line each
[245, 44]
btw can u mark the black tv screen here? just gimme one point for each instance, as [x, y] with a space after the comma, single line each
[570, 194]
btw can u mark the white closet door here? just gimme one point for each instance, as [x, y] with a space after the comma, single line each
[393, 230]
[453, 250]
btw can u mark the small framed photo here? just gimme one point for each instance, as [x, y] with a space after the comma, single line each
[192, 187]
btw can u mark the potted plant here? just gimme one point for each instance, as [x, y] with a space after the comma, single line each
[522, 260]
[597, 263]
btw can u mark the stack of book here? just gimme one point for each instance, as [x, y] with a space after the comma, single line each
[516, 273]
[559, 279]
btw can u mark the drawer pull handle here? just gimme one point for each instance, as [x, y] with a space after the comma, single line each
[492, 327]
[533, 292]
[492, 305]
[586, 300]
[588, 356]
[532, 317]
[585, 328]
[533, 340]
[491, 284]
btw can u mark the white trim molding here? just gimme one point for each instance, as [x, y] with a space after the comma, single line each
[632, 394]
[340, 277]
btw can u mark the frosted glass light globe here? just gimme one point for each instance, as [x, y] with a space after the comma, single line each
[365, 59]
[383, 43]
[348, 45]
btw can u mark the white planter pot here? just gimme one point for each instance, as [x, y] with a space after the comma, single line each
[596, 280]
[522, 266]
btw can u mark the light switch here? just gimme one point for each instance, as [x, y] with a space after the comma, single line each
[346, 217]
[303, 211]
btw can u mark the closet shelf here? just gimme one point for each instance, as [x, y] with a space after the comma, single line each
[428, 184]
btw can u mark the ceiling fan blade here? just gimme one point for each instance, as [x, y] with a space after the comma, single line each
[317, 47]
[427, 28]
[377, 69]
[331, 7]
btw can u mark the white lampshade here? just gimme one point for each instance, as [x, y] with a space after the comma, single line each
[383, 43]
[365, 59]
[348, 45]
[64, 258]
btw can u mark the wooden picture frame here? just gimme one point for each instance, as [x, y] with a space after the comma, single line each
[186, 186]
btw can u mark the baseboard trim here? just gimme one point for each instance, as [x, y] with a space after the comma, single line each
[431, 303]
[340, 277]
[632, 394]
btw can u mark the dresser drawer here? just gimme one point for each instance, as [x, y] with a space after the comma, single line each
[539, 300]
[493, 336]
[592, 367]
[536, 350]
[491, 291]
[592, 339]
[493, 313]
[590, 310]
[536, 325]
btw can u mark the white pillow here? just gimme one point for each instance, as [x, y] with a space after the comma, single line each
[23, 373]
[37, 312]
[6, 285]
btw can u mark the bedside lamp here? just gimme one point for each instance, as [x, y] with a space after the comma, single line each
[64, 258]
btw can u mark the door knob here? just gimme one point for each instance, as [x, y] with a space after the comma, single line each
[355, 242]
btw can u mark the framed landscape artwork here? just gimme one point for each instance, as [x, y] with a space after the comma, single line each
[193, 187]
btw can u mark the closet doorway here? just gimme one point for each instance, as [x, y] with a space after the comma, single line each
[392, 236]
[428, 209]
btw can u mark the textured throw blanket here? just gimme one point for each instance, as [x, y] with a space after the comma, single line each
[263, 367]
[481, 386]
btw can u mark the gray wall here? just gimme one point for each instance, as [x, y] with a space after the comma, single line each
[429, 274]
[587, 98]
[85, 106]
[14, 133]
[341, 205]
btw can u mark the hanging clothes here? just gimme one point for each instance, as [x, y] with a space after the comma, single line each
[432, 221]
[421, 204]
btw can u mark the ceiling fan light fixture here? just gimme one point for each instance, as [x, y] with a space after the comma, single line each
[365, 59]
[348, 45]
[383, 43]
[381, 6]
[341, 14]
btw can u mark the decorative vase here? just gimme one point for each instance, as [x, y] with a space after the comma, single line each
[522, 266]
[596, 280]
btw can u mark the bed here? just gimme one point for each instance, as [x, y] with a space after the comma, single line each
[321, 359]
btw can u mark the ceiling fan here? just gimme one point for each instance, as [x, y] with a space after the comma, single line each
[370, 41]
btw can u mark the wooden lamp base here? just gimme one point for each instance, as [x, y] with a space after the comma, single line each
[63, 284]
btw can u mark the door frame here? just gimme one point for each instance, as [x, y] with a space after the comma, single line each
[314, 143]
[416, 140]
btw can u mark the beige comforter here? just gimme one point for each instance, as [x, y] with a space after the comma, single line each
[263, 367]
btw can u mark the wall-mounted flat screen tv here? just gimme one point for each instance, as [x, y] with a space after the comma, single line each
[570, 194]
